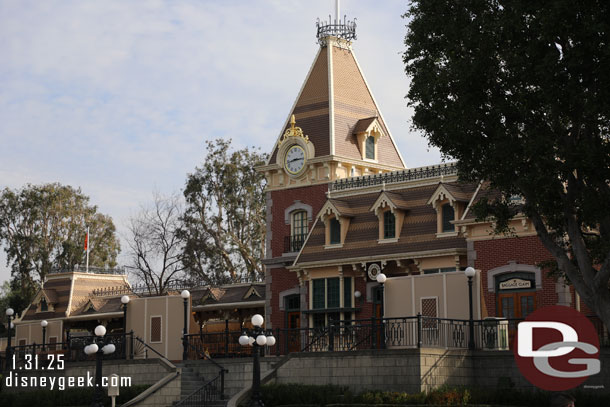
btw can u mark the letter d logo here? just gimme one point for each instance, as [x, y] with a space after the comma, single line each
[525, 330]
[556, 348]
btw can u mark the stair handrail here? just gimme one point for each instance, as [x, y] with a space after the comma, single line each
[166, 360]
[208, 357]
[209, 385]
[221, 369]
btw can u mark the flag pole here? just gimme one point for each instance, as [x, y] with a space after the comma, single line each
[87, 242]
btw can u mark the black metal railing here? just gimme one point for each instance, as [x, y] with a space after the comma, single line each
[345, 29]
[394, 176]
[210, 393]
[294, 243]
[221, 369]
[72, 349]
[91, 270]
[216, 344]
[407, 332]
[176, 285]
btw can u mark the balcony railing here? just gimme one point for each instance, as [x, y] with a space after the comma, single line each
[294, 243]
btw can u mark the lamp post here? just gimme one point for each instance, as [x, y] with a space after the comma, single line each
[470, 272]
[185, 294]
[100, 348]
[9, 313]
[256, 338]
[44, 324]
[125, 300]
[381, 278]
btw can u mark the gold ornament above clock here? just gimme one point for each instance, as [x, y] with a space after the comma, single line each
[294, 150]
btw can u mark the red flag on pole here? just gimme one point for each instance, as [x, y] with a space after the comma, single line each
[87, 240]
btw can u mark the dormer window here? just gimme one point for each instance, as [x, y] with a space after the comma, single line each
[370, 148]
[448, 216]
[389, 225]
[336, 216]
[390, 208]
[368, 132]
[335, 231]
[45, 301]
[449, 201]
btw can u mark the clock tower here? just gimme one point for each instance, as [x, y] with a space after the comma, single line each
[334, 130]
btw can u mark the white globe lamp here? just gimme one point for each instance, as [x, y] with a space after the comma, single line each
[100, 330]
[257, 320]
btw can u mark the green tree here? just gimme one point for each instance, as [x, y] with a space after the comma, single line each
[224, 221]
[518, 92]
[43, 227]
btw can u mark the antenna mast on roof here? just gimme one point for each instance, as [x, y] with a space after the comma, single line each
[337, 13]
[345, 29]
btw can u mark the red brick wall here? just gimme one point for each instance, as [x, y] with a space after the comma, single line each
[523, 250]
[315, 196]
[282, 279]
[366, 311]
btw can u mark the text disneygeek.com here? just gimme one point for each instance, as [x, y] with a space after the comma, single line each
[15, 380]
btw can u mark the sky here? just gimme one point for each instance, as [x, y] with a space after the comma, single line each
[118, 97]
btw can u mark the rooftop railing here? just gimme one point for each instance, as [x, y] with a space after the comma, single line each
[90, 270]
[394, 177]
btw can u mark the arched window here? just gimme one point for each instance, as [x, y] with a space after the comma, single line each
[389, 225]
[448, 216]
[370, 148]
[44, 307]
[299, 230]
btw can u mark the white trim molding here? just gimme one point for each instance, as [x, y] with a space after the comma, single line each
[513, 267]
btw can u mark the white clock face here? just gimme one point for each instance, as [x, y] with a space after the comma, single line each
[295, 159]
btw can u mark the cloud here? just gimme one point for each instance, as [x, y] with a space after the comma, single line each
[118, 97]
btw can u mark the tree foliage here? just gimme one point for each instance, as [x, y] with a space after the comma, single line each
[156, 248]
[43, 227]
[518, 92]
[224, 221]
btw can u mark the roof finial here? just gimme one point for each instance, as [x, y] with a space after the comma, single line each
[337, 13]
[343, 29]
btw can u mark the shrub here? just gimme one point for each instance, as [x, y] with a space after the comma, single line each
[65, 398]
[448, 396]
[301, 394]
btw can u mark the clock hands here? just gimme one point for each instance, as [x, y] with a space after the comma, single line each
[295, 159]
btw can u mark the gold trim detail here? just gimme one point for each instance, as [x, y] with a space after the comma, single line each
[293, 131]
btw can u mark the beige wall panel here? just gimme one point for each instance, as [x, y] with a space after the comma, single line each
[398, 298]
[437, 262]
[175, 324]
[400, 301]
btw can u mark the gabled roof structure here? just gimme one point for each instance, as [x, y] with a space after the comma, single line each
[361, 205]
[335, 103]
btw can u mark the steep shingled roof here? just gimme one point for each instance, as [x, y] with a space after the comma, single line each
[71, 292]
[335, 88]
